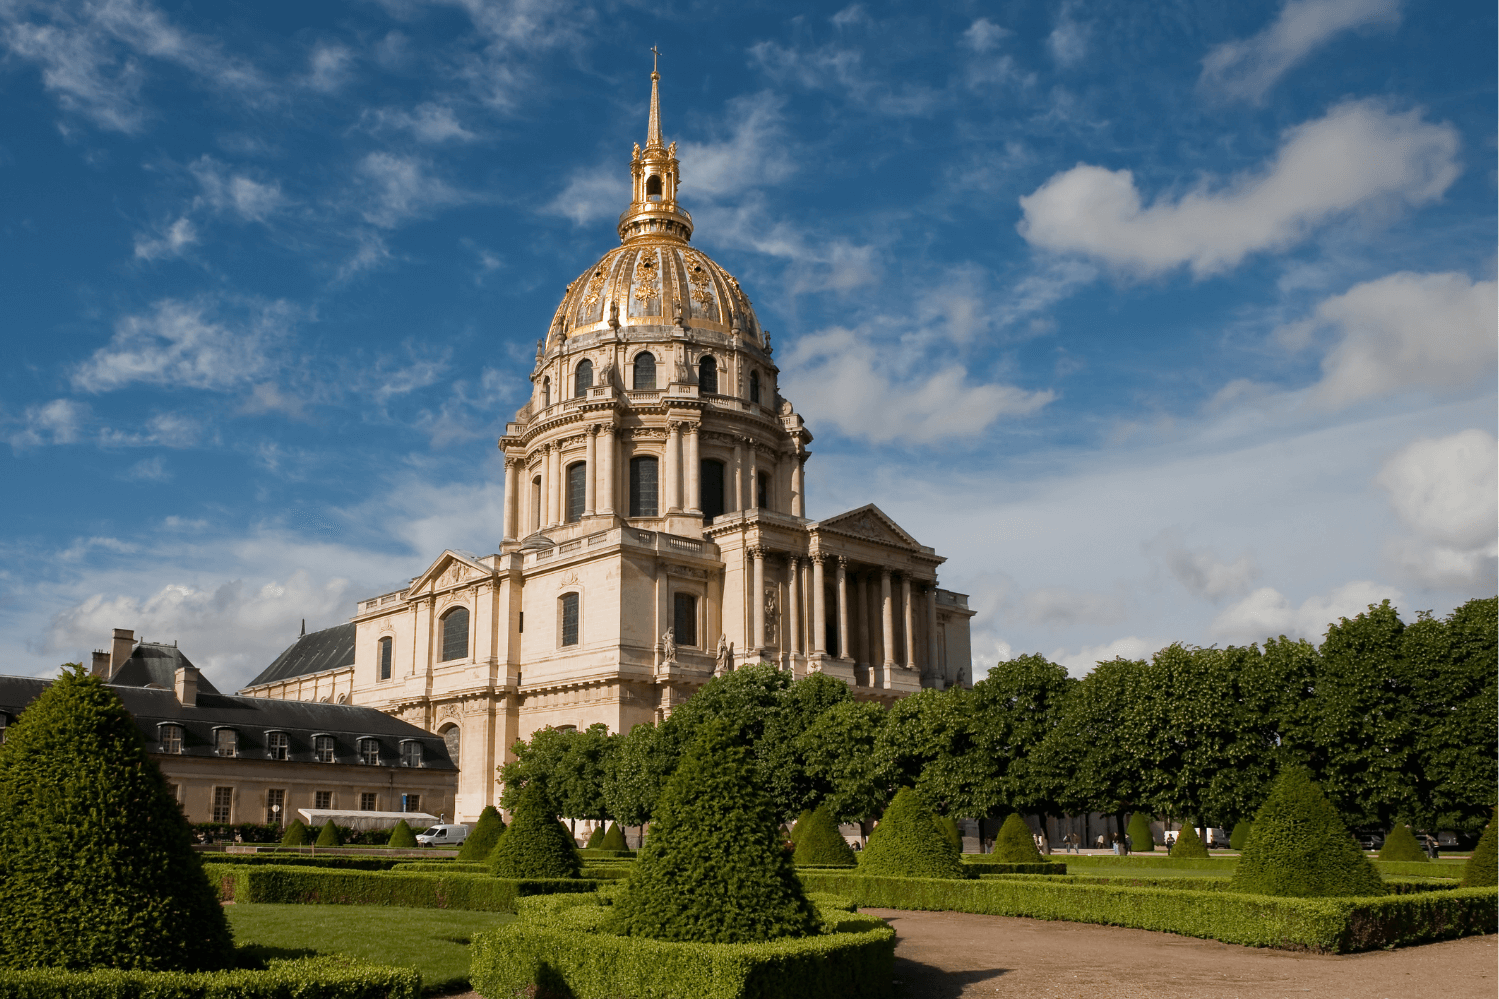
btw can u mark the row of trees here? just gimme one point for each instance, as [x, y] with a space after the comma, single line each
[1396, 721]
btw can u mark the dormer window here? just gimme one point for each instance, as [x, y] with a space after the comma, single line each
[369, 753]
[171, 738]
[411, 753]
[278, 746]
[225, 742]
[322, 748]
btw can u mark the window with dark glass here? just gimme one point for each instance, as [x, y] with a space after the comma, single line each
[275, 807]
[645, 370]
[369, 801]
[411, 755]
[707, 376]
[577, 482]
[762, 490]
[387, 648]
[171, 738]
[583, 377]
[4, 721]
[369, 752]
[223, 804]
[684, 619]
[277, 745]
[322, 799]
[653, 187]
[754, 386]
[536, 503]
[643, 487]
[226, 742]
[411, 802]
[322, 748]
[569, 619]
[455, 634]
[546, 392]
[710, 487]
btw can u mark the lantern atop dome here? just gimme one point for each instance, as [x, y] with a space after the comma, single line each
[655, 176]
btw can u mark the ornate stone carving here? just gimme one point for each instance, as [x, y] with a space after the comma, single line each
[770, 609]
[669, 646]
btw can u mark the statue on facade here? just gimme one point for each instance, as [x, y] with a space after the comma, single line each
[614, 314]
[770, 610]
[723, 661]
[669, 646]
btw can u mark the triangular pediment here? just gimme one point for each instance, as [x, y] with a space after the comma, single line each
[450, 569]
[869, 521]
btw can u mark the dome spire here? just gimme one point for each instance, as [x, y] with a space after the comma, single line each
[654, 173]
[653, 128]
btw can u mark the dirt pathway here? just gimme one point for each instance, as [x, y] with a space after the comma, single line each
[951, 955]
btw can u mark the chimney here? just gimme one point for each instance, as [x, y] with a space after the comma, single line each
[119, 651]
[187, 686]
[100, 667]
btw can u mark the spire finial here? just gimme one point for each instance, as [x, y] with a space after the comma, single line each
[653, 129]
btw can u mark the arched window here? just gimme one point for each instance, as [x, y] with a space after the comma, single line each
[643, 487]
[536, 503]
[707, 375]
[455, 634]
[754, 386]
[387, 646]
[568, 625]
[653, 187]
[710, 484]
[762, 490]
[577, 477]
[453, 740]
[546, 392]
[583, 377]
[645, 370]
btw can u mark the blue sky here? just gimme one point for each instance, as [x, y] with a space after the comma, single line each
[1163, 322]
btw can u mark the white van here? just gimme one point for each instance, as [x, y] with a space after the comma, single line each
[443, 835]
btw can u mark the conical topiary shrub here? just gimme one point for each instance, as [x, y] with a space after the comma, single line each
[536, 845]
[614, 839]
[595, 839]
[1141, 840]
[949, 827]
[296, 834]
[1239, 838]
[715, 869]
[401, 837]
[821, 844]
[908, 843]
[800, 826]
[1401, 844]
[97, 868]
[1015, 844]
[328, 835]
[482, 838]
[1301, 848]
[1189, 845]
[1482, 869]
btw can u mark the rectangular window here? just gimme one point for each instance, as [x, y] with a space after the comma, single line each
[411, 802]
[569, 619]
[226, 742]
[411, 754]
[520, 625]
[171, 739]
[386, 646]
[684, 619]
[322, 748]
[173, 793]
[710, 479]
[369, 802]
[275, 806]
[369, 752]
[223, 804]
[643, 487]
[577, 482]
[762, 490]
[322, 799]
[278, 745]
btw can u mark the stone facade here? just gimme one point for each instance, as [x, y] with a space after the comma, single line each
[654, 531]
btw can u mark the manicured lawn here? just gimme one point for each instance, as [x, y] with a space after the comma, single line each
[434, 941]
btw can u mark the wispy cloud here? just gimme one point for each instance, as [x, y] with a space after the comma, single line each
[60, 421]
[1446, 491]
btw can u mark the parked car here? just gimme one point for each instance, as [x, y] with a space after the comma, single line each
[443, 835]
[1369, 839]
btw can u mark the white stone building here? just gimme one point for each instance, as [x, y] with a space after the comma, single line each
[655, 532]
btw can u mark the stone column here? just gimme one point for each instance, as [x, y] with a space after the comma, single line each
[737, 473]
[843, 652]
[793, 606]
[886, 620]
[559, 486]
[931, 630]
[798, 485]
[694, 467]
[757, 638]
[674, 468]
[910, 620]
[606, 468]
[754, 481]
[512, 493]
[546, 488]
[819, 607]
[590, 470]
[864, 633]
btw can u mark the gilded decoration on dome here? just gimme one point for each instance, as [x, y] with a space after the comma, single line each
[646, 273]
[697, 274]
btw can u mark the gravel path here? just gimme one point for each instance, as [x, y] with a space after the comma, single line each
[952, 955]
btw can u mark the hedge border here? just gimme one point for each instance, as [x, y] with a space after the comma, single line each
[1047, 867]
[330, 863]
[417, 889]
[324, 977]
[1164, 863]
[597, 854]
[1322, 925]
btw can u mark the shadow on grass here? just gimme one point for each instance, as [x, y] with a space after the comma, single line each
[255, 956]
[915, 980]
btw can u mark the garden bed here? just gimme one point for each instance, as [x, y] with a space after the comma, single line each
[417, 889]
[323, 977]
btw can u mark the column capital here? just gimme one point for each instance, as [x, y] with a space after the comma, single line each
[594, 429]
[885, 573]
[842, 562]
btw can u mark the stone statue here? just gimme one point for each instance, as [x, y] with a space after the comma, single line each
[722, 661]
[637, 152]
[678, 316]
[768, 348]
[669, 646]
[770, 610]
[671, 150]
[614, 314]
[606, 375]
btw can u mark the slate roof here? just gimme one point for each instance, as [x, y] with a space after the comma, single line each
[156, 664]
[328, 649]
[254, 718]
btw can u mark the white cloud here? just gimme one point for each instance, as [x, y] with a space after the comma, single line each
[149, 470]
[1359, 155]
[833, 377]
[180, 344]
[1061, 607]
[1068, 41]
[236, 193]
[1247, 68]
[1082, 661]
[428, 122]
[329, 68]
[1267, 613]
[57, 422]
[1404, 330]
[1446, 490]
[172, 241]
[401, 187]
[983, 35]
[1201, 571]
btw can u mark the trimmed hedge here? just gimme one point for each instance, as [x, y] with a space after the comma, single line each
[614, 839]
[1239, 838]
[415, 889]
[1015, 844]
[1323, 925]
[908, 843]
[1401, 845]
[299, 860]
[983, 866]
[535, 845]
[593, 855]
[1301, 847]
[441, 867]
[1189, 845]
[1141, 839]
[401, 837]
[1400, 886]
[323, 977]
[949, 827]
[483, 837]
[561, 950]
[1482, 869]
[800, 826]
[1162, 863]
[328, 835]
[296, 835]
[821, 844]
[1420, 869]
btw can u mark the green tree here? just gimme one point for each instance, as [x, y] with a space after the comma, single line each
[577, 784]
[536, 845]
[1482, 869]
[1014, 709]
[1141, 840]
[779, 760]
[1240, 836]
[928, 742]
[401, 837]
[486, 833]
[97, 868]
[328, 835]
[1189, 845]
[537, 759]
[636, 773]
[614, 839]
[714, 869]
[908, 843]
[819, 842]
[838, 753]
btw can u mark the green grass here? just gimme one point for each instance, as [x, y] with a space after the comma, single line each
[433, 941]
